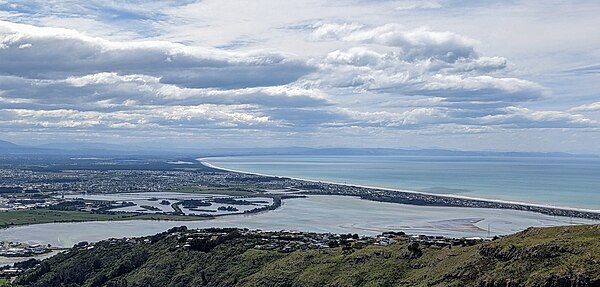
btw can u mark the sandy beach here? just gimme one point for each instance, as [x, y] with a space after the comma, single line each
[205, 162]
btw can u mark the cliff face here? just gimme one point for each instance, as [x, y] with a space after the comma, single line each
[558, 256]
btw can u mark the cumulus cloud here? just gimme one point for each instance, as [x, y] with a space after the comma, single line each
[385, 78]
[334, 31]
[41, 52]
[466, 80]
[197, 117]
[357, 56]
[396, 60]
[60, 78]
[110, 89]
[413, 44]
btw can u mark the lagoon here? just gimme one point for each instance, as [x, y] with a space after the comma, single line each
[336, 214]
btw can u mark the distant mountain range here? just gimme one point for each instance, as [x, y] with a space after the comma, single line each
[5, 144]
[374, 152]
[11, 148]
[101, 149]
[68, 149]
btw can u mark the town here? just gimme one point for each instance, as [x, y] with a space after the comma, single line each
[284, 241]
[18, 249]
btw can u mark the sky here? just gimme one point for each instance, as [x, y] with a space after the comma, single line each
[456, 74]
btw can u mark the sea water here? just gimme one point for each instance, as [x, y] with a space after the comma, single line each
[557, 181]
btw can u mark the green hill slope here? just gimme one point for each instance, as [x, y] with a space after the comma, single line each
[558, 256]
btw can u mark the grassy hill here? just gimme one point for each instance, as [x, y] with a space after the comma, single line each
[557, 256]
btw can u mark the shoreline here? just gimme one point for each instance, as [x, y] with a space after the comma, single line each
[375, 188]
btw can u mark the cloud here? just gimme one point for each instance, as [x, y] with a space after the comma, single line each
[591, 107]
[467, 80]
[520, 117]
[374, 79]
[467, 121]
[333, 31]
[480, 88]
[586, 69]
[412, 44]
[179, 117]
[413, 5]
[112, 91]
[143, 17]
[356, 56]
[478, 65]
[409, 119]
[40, 52]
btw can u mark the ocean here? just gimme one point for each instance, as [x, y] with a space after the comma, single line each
[572, 182]
[556, 181]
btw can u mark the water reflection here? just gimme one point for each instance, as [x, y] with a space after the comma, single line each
[315, 213]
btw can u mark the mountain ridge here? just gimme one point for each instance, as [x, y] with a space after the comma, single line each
[7, 147]
[553, 256]
[6, 144]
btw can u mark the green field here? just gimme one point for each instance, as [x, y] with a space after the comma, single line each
[36, 216]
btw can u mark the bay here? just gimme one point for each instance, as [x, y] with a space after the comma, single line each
[557, 181]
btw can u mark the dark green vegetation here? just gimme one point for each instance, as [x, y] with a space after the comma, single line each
[558, 256]
[36, 216]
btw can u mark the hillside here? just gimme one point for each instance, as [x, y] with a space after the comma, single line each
[6, 144]
[558, 256]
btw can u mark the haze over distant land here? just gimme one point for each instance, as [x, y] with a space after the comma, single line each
[467, 75]
[81, 149]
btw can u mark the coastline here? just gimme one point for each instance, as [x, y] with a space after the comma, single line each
[204, 162]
